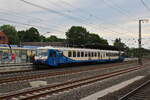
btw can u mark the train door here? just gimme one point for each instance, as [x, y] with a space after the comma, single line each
[54, 57]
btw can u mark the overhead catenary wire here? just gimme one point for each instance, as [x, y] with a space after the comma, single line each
[89, 14]
[13, 13]
[117, 7]
[106, 28]
[25, 17]
[25, 24]
[68, 16]
[53, 11]
[145, 5]
[56, 12]
[81, 10]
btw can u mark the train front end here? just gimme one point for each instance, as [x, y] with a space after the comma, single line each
[48, 56]
[121, 56]
[41, 57]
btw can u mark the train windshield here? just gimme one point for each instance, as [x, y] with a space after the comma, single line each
[41, 52]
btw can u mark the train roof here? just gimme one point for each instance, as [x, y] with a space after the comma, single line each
[79, 49]
[102, 46]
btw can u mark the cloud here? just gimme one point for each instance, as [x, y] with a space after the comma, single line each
[110, 19]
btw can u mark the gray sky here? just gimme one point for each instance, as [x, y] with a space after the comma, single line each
[109, 19]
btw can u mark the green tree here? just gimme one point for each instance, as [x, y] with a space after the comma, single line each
[53, 38]
[95, 39]
[43, 38]
[34, 35]
[77, 35]
[30, 35]
[21, 35]
[11, 33]
[119, 44]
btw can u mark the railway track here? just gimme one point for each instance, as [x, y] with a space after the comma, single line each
[140, 93]
[31, 69]
[50, 74]
[35, 93]
[16, 69]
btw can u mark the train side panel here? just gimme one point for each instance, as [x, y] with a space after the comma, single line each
[57, 57]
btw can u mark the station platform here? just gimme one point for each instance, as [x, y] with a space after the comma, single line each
[15, 67]
[14, 64]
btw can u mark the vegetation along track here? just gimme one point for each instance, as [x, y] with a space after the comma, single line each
[139, 93]
[48, 74]
[35, 93]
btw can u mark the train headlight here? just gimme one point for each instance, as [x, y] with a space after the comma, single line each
[44, 57]
[36, 58]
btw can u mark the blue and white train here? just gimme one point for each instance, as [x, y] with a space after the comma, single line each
[54, 56]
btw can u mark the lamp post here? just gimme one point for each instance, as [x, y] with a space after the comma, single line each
[140, 41]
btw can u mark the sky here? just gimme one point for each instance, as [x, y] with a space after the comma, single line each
[109, 19]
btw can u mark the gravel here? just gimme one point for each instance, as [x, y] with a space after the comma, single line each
[78, 93]
[122, 92]
[55, 69]
[4, 88]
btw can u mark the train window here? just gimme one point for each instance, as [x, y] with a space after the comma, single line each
[60, 53]
[41, 52]
[78, 54]
[112, 54]
[86, 54]
[104, 55]
[101, 55]
[95, 54]
[69, 54]
[52, 54]
[74, 53]
[92, 54]
[89, 54]
[108, 54]
[98, 54]
[117, 54]
[82, 54]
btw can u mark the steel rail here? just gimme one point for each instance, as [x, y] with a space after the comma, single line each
[43, 75]
[50, 89]
[26, 70]
[131, 93]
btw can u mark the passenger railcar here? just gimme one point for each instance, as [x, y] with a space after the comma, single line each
[53, 56]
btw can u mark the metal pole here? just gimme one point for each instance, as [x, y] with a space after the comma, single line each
[140, 46]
